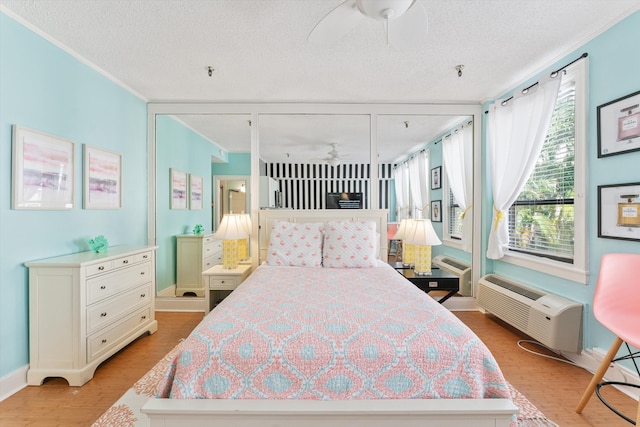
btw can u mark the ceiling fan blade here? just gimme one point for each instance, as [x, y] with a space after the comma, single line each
[336, 23]
[410, 29]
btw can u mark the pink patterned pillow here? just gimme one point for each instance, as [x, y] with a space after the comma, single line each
[295, 244]
[349, 244]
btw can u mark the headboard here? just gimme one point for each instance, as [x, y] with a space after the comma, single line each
[268, 216]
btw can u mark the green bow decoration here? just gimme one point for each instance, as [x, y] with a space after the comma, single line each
[99, 244]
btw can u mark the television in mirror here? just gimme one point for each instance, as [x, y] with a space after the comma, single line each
[345, 200]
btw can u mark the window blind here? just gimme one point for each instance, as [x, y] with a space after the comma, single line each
[541, 221]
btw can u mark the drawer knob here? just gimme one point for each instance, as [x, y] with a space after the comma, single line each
[222, 281]
[142, 273]
[143, 317]
[103, 287]
[103, 314]
[126, 261]
[104, 341]
[145, 256]
[101, 268]
[143, 295]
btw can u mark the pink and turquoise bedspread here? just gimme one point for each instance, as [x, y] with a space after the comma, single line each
[331, 334]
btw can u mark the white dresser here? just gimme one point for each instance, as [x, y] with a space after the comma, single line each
[85, 307]
[195, 254]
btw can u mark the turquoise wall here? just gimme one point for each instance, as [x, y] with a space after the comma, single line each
[614, 71]
[239, 164]
[172, 140]
[45, 89]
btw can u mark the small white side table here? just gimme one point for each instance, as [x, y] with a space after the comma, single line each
[218, 278]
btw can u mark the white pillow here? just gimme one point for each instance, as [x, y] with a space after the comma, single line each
[349, 244]
[295, 244]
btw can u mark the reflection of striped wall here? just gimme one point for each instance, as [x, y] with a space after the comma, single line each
[304, 186]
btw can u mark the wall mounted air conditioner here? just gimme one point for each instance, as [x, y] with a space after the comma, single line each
[457, 268]
[550, 319]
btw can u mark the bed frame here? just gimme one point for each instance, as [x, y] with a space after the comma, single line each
[320, 413]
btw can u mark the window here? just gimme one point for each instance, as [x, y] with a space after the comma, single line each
[454, 217]
[547, 221]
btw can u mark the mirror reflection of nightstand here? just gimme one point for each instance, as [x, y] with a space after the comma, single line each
[438, 280]
[218, 278]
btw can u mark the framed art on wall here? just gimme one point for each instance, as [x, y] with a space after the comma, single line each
[436, 211]
[435, 178]
[619, 126]
[178, 189]
[195, 191]
[43, 171]
[619, 211]
[102, 179]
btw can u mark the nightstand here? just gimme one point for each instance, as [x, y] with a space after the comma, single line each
[439, 280]
[218, 278]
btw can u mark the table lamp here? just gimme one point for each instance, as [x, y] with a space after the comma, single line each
[243, 244]
[405, 229]
[229, 231]
[423, 237]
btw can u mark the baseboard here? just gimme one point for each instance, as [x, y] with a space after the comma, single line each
[173, 303]
[456, 303]
[168, 292]
[13, 382]
[589, 360]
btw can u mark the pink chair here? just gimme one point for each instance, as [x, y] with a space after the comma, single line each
[392, 228]
[616, 304]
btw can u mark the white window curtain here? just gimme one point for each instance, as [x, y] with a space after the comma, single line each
[419, 180]
[457, 157]
[516, 133]
[401, 180]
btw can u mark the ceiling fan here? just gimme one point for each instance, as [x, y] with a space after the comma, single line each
[405, 21]
[334, 156]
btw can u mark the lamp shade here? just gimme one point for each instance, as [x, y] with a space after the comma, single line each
[231, 228]
[245, 219]
[243, 244]
[423, 234]
[404, 227]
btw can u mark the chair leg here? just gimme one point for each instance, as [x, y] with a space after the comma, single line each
[599, 374]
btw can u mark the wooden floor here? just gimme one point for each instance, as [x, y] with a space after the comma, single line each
[552, 386]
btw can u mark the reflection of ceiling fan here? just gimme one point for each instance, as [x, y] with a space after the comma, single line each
[334, 156]
[405, 20]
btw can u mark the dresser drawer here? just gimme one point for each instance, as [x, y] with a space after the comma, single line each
[103, 341]
[111, 310]
[106, 285]
[210, 250]
[103, 267]
[207, 263]
[124, 261]
[224, 283]
[143, 256]
[209, 240]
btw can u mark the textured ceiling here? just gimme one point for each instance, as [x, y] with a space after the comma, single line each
[161, 48]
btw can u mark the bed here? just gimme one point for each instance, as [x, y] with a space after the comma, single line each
[329, 333]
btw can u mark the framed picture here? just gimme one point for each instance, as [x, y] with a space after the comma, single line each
[43, 168]
[102, 178]
[619, 126]
[435, 178]
[619, 211]
[178, 189]
[436, 211]
[195, 191]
